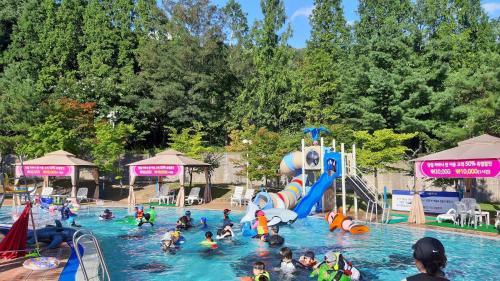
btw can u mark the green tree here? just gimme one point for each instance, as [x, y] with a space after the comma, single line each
[379, 150]
[109, 145]
[268, 98]
[49, 136]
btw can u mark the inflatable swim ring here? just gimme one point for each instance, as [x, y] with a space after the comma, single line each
[212, 245]
[42, 263]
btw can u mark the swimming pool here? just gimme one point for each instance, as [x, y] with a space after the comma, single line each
[383, 254]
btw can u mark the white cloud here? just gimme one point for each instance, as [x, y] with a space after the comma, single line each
[491, 7]
[302, 12]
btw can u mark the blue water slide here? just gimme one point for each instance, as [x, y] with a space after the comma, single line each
[314, 196]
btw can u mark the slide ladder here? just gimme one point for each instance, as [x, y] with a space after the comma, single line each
[98, 271]
[366, 192]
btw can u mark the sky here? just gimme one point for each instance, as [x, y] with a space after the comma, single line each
[298, 12]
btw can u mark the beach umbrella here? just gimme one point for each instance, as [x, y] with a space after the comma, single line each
[14, 244]
[417, 214]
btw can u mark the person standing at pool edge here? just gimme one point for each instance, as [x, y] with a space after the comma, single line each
[430, 259]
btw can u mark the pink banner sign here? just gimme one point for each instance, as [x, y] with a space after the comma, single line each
[155, 170]
[472, 168]
[45, 170]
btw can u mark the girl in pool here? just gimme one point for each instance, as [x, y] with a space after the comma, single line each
[203, 223]
[261, 225]
[107, 215]
[307, 260]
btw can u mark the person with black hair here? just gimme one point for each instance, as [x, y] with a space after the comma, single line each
[430, 259]
[308, 260]
[259, 273]
[288, 264]
[275, 240]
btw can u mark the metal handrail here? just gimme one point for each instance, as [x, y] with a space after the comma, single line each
[362, 189]
[83, 233]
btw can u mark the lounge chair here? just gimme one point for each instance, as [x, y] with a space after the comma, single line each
[164, 197]
[248, 195]
[451, 215]
[194, 195]
[237, 197]
[82, 194]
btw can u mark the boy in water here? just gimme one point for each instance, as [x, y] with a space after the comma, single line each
[275, 240]
[307, 260]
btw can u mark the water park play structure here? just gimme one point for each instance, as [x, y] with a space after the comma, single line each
[307, 192]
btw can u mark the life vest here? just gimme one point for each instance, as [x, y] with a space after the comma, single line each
[334, 273]
[262, 228]
[265, 273]
[139, 214]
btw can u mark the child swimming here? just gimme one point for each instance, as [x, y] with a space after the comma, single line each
[288, 264]
[259, 273]
[335, 267]
[106, 215]
[275, 240]
[209, 241]
[227, 231]
[307, 260]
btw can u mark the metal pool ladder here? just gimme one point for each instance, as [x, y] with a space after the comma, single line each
[79, 235]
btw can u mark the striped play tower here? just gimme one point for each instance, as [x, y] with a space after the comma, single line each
[291, 165]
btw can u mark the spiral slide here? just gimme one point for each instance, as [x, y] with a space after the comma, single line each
[290, 195]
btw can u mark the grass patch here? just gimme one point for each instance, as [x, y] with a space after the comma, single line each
[483, 228]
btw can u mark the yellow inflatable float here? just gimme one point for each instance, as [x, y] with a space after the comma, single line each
[338, 220]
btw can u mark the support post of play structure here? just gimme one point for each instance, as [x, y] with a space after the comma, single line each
[321, 160]
[353, 171]
[342, 161]
[334, 184]
[303, 169]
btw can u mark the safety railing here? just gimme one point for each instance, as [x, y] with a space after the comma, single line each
[87, 234]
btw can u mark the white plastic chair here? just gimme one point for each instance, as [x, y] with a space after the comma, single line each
[82, 194]
[462, 212]
[248, 195]
[451, 215]
[237, 196]
[164, 196]
[46, 192]
[194, 195]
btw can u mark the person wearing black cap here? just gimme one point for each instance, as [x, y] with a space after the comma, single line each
[275, 240]
[430, 259]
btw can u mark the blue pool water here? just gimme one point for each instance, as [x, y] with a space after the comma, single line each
[383, 254]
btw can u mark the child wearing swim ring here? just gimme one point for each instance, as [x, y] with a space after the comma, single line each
[227, 231]
[209, 241]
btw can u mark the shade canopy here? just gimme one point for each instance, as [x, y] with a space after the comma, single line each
[477, 157]
[170, 157]
[168, 163]
[59, 157]
[58, 163]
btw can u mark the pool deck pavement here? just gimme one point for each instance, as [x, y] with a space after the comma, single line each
[14, 270]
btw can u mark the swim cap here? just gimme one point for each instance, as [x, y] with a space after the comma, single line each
[309, 254]
[187, 213]
[428, 249]
[260, 213]
[167, 236]
[204, 220]
[330, 257]
[106, 211]
[227, 211]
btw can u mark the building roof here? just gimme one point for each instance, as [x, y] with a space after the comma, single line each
[481, 147]
[58, 158]
[170, 157]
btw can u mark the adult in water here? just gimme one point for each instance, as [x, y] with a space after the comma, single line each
[275, 240]
[430, 259]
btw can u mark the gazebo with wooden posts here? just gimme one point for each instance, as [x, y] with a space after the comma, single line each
[478, 157]
[169, 163]
[59, 163]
